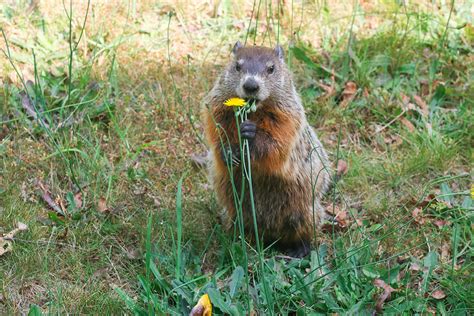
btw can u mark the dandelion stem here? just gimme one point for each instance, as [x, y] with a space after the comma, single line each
[246, 165]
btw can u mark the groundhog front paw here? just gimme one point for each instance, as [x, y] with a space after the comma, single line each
[231, 156]
[248, 129]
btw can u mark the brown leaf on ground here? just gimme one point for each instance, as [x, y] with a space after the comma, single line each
[341, 167]
[387, 291]
[102, 205]
[333, 209]
[429, 198]
[350, 89]
[405, 98]
[406, 104]
[78, 199]
[438, 294]
[445, 248]
[441, 223]
[342, 219]
[348, 93]
[422, 105]
[417, 215]
[409, 125]
[330, 90]
[6, 244]
[60, 202]
[46, 196]
[27, 104]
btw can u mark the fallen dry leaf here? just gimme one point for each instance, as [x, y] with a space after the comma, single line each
[203, 307]
[6, 244]
[405, 98]
[429, 198]
[330, 90]
[78, 199]
[348, 94]
[333, 209]
[441, 223]
[60, 202]
[422, 104]
[406, 105]
[387, 291]
[102, 205]
[445, 248]
[417, 215]
[438, 294]
[27, 104]
[409, 125]
[342, 219]
[48, 199]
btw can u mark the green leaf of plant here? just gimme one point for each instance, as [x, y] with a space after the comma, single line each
[236, 280]
[217, 300]
[370, 272]
[34, 311]
[430, 260]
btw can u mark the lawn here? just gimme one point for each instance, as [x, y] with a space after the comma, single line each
[100, 127]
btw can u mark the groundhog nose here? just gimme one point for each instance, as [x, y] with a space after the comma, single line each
[250, 86]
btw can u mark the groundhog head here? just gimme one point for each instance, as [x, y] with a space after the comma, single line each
[256, 72]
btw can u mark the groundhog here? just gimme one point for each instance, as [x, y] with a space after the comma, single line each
[288, 163]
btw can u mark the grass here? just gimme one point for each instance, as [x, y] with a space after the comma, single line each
[117, 118]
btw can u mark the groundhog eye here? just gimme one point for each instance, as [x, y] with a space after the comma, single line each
[271, 69]
[237, 67]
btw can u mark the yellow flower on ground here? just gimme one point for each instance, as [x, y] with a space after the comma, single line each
[472, 191]
[203, 307]
[235, 102]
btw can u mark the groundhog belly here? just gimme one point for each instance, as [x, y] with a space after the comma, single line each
[284, 209]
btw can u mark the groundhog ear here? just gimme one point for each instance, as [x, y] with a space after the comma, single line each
[237, 46]
[279, 52]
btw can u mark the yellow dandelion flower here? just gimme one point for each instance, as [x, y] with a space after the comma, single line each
[203, 307]
[235, 102]
[472, 191]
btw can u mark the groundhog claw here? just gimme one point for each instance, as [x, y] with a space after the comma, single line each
[231, 156]
[248, 129]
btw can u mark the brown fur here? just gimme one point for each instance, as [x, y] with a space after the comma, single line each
[287, 159]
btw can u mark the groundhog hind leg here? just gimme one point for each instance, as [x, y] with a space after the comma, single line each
[296, 240]
[298, 249]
